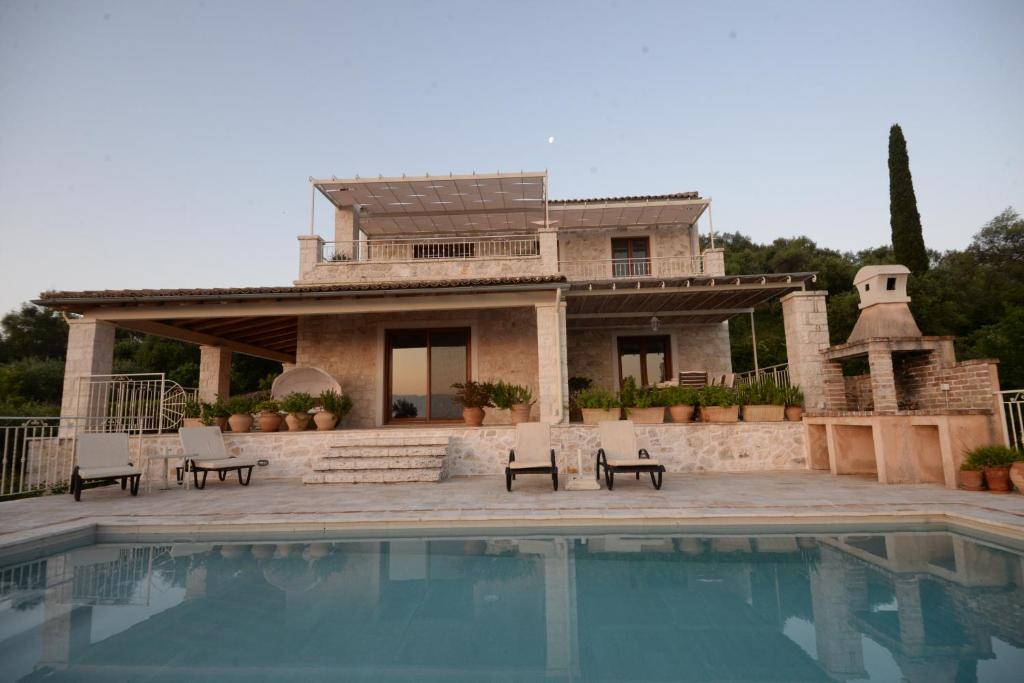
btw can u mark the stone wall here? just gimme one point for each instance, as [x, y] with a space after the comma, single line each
[592, 352]
[596, 245]
[424, 269]
[920, 376]
[858, 392]
[351, 349]
[696, 447]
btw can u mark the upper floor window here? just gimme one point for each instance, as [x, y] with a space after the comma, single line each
[631, 256]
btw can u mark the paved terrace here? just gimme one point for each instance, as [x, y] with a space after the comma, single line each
[706, 500]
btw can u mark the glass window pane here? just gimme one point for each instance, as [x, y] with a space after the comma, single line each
[630, 360]
[447, 366]
[655, 362]
[409, 375]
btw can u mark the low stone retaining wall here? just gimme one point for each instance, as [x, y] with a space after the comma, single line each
[697, 447]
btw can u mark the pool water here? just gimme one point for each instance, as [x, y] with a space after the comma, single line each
[928, 607]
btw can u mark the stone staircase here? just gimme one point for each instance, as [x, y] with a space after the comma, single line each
[382, 460]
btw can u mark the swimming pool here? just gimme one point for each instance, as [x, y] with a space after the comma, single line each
[931, 606]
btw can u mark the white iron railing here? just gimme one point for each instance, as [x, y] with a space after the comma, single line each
[777, 374]
[146, 401]
[431, 248]
[1012, 415]
[661, 266]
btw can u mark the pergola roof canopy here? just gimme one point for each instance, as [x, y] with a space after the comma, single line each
[682, 208]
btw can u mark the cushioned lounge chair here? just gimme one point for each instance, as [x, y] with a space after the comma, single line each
[618, 454]
[204, 448]
[532, 454]
[103, 457]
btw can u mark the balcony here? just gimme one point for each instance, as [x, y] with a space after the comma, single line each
[605, 269]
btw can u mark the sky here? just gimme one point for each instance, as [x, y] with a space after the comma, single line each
[169, 144]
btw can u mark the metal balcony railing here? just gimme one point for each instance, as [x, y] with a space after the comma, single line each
[662, 266]
[431, 248]
[776, 374]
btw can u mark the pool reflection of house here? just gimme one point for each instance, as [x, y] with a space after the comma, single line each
[724, 608]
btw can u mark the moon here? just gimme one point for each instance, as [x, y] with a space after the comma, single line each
[551, 140]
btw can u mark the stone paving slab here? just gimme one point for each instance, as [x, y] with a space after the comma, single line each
[708, 499]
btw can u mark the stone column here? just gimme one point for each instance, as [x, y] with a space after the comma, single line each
[214, 373]
[883, 378]
[552, 367]
[90, 352]
[311, 249]
[547, 239]
[835, 584]
[714, 261]
[806, 323]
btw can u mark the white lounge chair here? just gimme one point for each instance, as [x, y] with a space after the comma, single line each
[532, 454]
[204, 448]
[618, 453]
[103, 457]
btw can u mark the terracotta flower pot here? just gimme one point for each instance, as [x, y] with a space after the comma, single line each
[191, 422]
[520, 413]
[474, 417]
[719, 414]
[269, 421]
[764, 413]
[998, 478]
[591, 416]
[794, 413]
[221, 422]
[1017, 475]
[240, 423]
[681, 413]
[646, 416]
[325, 421]
[297, 422]
[971, 480]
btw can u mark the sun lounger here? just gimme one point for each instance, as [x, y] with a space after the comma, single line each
[618, 454]
[103, 457]
[532, 454]
[204, 448]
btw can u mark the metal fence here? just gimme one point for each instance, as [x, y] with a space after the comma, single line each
[664, 266]
[427, 248]
[776, 374]
[128, 402]
[1012, 414]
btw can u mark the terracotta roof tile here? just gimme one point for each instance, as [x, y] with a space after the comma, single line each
[632, 198]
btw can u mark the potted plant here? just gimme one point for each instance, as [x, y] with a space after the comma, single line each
[995, 460]
[514, 398]
[215, 413]
[718, 404]
[680, 402]
[762, 402]
[643, 405]
[793, 396]
[971, 476]
[473, 397]
[333, 407]
[269, 418]
[297, 404]
[597, 404]
[240, 413]
[191, 414]
[576, 385]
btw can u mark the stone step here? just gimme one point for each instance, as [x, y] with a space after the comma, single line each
[386, 441]
[377, 476]
[380, 451]
[410, 462]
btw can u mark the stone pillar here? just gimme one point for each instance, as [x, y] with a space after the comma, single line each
[714, 261]
[883, 378]
[835, 585]
[214, 373]
[346, 231]
[806, 323]
[547, 239]
[90, 352]
[557, 603]
[311, 249]
[552, 367]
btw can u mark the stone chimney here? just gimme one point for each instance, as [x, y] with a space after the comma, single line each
[883, 303]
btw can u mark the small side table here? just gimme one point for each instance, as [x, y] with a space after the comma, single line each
[182, 460]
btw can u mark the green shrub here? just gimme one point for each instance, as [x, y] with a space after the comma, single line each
[472, 394]
[578, 384]
[240, 405]
[628, 393]
[720, 396]
[209, 411]
[333, 402]
[761, 393]
[193, 409]
[993, 455]
[968, 466]
[793, 395]
[268, 405]
[297, 402]
[505, 395]
[597, 398]
[679, 396]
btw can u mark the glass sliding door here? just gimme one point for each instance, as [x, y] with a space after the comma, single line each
[421, 367]
[646, 359]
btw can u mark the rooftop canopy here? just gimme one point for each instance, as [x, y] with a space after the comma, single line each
[681, 208]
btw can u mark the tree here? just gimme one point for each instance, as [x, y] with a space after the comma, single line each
[907, 238]
[32, 332]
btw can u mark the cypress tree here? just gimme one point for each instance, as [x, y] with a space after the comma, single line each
[907, 238]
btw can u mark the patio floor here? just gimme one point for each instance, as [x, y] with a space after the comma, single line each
[705, 500]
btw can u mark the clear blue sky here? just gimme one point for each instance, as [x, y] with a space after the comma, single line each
[165, 144]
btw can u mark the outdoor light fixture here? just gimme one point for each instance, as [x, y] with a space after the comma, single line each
[655, 323]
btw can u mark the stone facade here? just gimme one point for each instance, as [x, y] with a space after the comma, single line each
[805, 320]
[697, 447]
[593, 352]
[90, 352]
[214, 373]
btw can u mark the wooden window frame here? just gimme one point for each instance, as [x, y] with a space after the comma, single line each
[388, 334]
[666, 339]
[631, 261]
